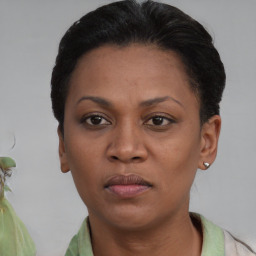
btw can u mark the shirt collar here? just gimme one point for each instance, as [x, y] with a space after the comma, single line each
[213, 239]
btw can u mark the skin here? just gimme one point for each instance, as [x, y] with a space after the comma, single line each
[134, 85]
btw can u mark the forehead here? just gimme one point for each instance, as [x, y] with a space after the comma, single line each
[148, 57]
[143, 71]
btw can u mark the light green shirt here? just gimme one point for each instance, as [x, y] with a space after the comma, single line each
[213, 240]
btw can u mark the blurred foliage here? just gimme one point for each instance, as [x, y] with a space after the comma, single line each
[14, 237]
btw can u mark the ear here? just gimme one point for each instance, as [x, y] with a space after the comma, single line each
[209, 141]
[62, 153]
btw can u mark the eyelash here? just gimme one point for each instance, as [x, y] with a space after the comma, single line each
[163, 118]
[90, 116]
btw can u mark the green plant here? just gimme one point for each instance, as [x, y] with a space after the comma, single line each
[14, 237]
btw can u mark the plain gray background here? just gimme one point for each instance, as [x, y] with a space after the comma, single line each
[44, 198]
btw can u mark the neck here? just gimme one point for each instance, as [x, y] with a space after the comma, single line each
[176, 237]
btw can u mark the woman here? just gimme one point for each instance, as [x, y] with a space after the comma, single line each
[136, 91]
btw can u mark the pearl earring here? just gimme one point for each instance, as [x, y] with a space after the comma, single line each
[206, 165]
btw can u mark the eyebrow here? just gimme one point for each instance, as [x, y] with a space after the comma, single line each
[97, 100]
[150, 102]
[146, 103]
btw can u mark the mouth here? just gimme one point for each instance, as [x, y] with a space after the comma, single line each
[127, 186]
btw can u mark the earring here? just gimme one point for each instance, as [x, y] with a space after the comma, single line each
[206, 165]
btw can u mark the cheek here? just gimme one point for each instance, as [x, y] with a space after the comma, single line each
[85, 172]
[180, 151]
[81, 151]
[178, 160]
[83, 161]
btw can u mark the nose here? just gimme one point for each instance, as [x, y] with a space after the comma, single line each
[127, 145]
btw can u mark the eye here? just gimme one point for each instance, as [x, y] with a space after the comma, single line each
[159, 120]
[95, 120]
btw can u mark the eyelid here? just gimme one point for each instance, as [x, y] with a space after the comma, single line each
[91, 114]
[171, 120]
[159, 114]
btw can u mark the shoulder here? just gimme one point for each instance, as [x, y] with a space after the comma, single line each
[215, 237]
[235, 247]
[219, 242]
[73, 247]
[81, 242]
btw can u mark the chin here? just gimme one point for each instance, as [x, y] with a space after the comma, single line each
[130, 218]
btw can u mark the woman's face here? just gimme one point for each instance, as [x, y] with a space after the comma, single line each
[132, 135]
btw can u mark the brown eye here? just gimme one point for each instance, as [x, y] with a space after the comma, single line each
[159, 121]
[96, 120]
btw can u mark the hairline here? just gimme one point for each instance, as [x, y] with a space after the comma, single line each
[193, 85]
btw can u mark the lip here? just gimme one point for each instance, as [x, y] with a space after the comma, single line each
[127, 186]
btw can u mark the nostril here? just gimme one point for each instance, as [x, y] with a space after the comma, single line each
[132, 159]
